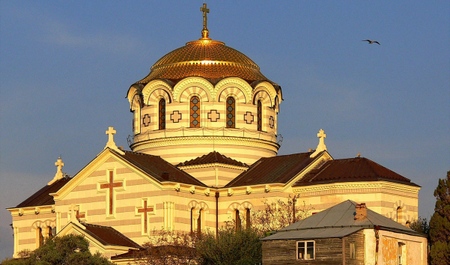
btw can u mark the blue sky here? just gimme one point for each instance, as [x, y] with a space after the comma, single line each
[65, 68]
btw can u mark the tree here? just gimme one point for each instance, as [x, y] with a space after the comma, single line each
[279, 214]
[69, 249]
[168, 248]
[421, 225]
[440, 224]
[230, 247]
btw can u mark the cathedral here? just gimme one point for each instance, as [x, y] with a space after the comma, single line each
[203, 152]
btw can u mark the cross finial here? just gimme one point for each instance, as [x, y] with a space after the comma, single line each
[205, 11]
[321, 135]
[110, 132]
[321, 146]
[111, 144]
[59, 174]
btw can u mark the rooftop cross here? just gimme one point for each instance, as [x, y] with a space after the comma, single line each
[205, 11]
[59, 174]
[111, 144]
[321, 146]
[321, 135]
[110, 132]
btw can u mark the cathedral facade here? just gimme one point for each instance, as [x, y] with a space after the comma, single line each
[203, 152]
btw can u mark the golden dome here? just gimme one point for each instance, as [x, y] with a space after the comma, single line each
[206, 58]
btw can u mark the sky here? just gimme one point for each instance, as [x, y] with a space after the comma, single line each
[66, 66]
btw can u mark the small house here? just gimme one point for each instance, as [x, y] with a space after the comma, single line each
[347, 233]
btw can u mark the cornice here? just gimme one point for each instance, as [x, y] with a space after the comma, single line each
[357, 186]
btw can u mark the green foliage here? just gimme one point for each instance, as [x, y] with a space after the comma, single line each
[69, 249]
[230, 247]
[168, 248]
[440, 224]
[420, 225]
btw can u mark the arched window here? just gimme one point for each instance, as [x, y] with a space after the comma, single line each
[237, 220]
[399, 214]
[49, 232]
[162, 114]
[195, 112]
[199, 222]
[248, 221]
[136, 115]
[39, 237]
[259, 115]
[192, 220]
[231, 112]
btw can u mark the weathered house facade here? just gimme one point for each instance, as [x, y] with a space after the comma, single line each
[348, 234]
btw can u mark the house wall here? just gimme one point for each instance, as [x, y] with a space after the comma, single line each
[327, 251]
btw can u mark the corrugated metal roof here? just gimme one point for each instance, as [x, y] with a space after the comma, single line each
[338, 221]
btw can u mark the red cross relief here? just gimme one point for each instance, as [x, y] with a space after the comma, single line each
[110, 186]
[80, 215]
[144, 211]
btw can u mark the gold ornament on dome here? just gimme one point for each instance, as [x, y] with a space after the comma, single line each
[206, 58]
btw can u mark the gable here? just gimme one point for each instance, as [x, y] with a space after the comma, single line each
[103, 239]
[130, 166]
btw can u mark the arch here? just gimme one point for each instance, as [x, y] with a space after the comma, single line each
[155, 95]
[192, 85]
[236, 87]
[198, 212]
[269, 89]
[240, 214]
[264, 97]
[159, 89]
[194, 90]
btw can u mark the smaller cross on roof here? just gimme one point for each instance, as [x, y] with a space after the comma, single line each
[321, 146]
[111, 144]
[59, 164]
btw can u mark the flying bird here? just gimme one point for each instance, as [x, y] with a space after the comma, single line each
[372, 41]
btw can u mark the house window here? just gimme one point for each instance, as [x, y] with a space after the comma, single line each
[231, 112]
[259, 115]
[400, 251]
[352, 251]
[306, 250]
[195, 112]
[162, 114]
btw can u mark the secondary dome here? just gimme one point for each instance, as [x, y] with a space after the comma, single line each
[206, 58]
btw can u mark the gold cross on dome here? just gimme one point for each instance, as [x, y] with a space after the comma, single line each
[205, 11]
